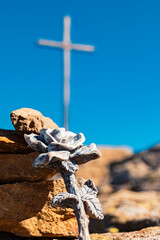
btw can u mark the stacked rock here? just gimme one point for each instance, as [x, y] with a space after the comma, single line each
[25, 193]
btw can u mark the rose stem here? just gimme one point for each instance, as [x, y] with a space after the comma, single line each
[71, 186]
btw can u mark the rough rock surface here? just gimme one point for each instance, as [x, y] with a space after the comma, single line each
[151, 233]
[27, 120]
[16, 160]
[18, 168]
[140, 172]
[128, 211]
[97, 170]
[11, 142]
[25, 210]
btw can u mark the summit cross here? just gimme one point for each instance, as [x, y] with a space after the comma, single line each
[67, 46]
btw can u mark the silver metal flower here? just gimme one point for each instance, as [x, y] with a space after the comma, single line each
[64, 151]
[61, 149]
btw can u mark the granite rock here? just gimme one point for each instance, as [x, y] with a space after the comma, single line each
[27, 120]
[25, 210]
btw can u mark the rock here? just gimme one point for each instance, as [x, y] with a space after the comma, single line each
[18, 168]
[140, 172]
[97, 170]
[151, 233]
[27, 120]
[25, 210]
[11, 142]
[16, 160]
[128, 211]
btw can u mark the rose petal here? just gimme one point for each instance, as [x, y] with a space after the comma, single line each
[68, 137]
[41, 161]
[58, 133]
[46, 135]
[72, 143]
[85, 154]
[50, 159]
[35, 142]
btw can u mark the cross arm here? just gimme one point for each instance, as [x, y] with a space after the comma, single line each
[81, 47]
[50, 43]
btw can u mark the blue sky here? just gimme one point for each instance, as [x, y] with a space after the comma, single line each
[115, 92]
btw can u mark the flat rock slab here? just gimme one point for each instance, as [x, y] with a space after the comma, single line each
[25, 210]
[128, 211]
[11, 142]
[27, 120]
[18, 168]
[16, 160]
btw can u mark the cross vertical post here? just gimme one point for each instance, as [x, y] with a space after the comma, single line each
[67, 46]
[67, 60]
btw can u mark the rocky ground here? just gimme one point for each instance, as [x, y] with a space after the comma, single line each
[139, 172]
[152, 233]
[129, 190]
[130, 194]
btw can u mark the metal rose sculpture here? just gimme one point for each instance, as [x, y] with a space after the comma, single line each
[64, 150]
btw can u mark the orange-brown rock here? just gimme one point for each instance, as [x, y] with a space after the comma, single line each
[11, 142]
[25, 210]
[18, 168]
[16, 160]
[27, 120]
[128, 211]
[97, 170]
[151, 233]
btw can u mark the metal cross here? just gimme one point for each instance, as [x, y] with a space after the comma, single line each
[67, 46]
